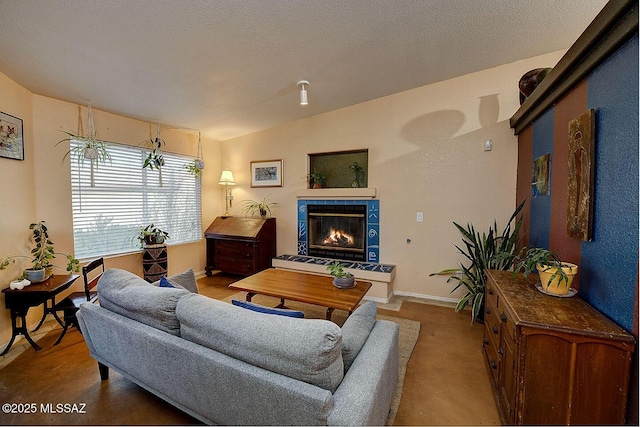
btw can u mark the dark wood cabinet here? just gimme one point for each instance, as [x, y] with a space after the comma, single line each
[240, 245]
[553, 360]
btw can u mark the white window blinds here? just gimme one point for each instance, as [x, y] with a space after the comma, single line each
[108, 216]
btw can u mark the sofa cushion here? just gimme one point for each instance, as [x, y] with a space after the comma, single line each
[164, 283]
[267, 310]
[128, 295]
[304, 349]
[355, 331]
[185, 280]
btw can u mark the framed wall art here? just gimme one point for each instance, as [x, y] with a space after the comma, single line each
[11, 142]
[266, 173]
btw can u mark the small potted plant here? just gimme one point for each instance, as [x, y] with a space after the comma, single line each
[41, 256]
[341, 279]
[151, 235]
[358, 174]
[195, 167]
[556, 276]
[316, 179]
[251, 207]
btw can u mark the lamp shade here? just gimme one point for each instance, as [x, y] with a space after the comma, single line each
[227, 178]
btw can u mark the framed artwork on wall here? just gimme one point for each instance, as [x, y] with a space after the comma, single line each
[266, 173]
[11, 142]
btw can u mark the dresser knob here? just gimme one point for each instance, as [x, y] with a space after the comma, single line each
[485, 341]
[488, 311]
[500, 351]
[490, 291]
[495, 329]
[503, 317]
[494, 365]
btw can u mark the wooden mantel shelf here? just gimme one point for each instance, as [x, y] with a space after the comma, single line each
[337, 193]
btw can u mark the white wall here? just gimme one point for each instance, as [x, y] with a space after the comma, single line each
[425, 155]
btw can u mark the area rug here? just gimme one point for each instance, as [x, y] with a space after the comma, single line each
[409, 330]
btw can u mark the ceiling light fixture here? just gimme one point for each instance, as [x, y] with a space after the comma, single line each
[303, 92]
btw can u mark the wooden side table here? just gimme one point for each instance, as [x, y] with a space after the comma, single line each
[18, 301]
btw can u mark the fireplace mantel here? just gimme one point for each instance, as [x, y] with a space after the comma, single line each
[337, 193]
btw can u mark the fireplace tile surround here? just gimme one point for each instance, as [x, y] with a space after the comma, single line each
[372, 230]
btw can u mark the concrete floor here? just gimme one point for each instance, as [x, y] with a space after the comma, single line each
[446, 382]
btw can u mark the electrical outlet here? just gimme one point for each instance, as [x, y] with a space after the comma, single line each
[419, 217]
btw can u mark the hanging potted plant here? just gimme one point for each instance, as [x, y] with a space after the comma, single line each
[41, 257]
[89, 148]
[197, 165]
[341, 279]
[251, 207]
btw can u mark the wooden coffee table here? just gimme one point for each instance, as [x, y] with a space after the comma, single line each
[302, 287]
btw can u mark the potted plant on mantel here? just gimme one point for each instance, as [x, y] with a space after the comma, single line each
[316, 179]
[41, 256]
[556, 276]
[341, 279]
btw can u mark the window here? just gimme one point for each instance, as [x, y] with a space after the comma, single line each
[108, 216]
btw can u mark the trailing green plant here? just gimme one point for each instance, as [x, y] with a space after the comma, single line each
[43, 251]
[337, 270]
[530, 256]
[155, 159]
[251, 207]
[90, 148]
[151, 234]
[480, 251]
[195, 167]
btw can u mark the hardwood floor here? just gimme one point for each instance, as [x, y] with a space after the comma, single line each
[446, 382]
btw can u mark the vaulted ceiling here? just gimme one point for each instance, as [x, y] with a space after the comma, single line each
[230, 67]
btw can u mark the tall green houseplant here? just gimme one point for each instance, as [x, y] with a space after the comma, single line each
[480, 251]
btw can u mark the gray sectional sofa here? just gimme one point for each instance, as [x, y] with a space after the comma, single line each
[224, 364]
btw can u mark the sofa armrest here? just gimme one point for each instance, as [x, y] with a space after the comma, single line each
[365, 394]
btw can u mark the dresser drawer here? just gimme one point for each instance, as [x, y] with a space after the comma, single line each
[491, 353]
[234, 249]
[237, 266]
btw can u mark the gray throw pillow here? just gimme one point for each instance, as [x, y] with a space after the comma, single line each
[355, 331]
[185, 280]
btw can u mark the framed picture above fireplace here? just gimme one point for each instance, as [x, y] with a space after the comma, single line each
[266, 173]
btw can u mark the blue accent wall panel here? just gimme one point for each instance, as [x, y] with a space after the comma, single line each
[608, 266]
[541, 205]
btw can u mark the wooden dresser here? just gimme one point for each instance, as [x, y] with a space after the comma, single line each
[240, 245]
[553, 360]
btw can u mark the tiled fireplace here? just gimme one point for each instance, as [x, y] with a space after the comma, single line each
[339, 229]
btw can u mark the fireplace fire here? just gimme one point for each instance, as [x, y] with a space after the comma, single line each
[337, 231]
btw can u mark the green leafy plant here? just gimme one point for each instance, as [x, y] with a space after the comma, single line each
[337, 270]
[316, 179]
[43, 251]
[358, 174]
[195, 167]
[531, 256]
[150, 235]
[481, 251]
[251, 207]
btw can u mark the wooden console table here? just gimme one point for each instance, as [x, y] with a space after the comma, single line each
[240, 245]
[553, 360]
[18, 301]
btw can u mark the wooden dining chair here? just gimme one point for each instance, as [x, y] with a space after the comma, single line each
[71, 304]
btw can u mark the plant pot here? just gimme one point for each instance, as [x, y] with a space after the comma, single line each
[154, 239]
[199, 164]
[554, 286]
[90, 153]
[344, 282]
[35, 275]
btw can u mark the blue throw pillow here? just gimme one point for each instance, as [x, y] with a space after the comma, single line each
[164, 283]
[268, 310]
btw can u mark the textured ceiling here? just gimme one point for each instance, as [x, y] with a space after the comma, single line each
[230, 67]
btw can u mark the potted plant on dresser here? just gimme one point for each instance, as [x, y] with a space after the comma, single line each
[556, 276]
